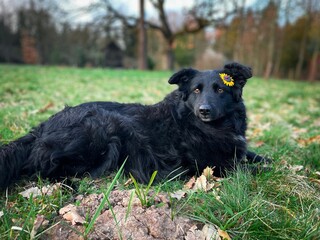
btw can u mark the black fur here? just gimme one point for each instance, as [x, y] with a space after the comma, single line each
[185, 132]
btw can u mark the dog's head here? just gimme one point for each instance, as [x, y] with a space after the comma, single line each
[212, 94]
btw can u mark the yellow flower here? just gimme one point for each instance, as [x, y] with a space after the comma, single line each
[227, 80]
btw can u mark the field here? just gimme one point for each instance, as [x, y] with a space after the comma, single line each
[284, 124]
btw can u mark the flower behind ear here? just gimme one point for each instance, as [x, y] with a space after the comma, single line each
[226, 79]
[239, 73]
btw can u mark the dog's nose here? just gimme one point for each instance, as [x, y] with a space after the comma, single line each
[204, 109]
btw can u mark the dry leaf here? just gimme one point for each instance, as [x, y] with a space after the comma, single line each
[296, 168]
[1, 214]
[178, 194]
[223, 234]
[210, 232]
[128, 182]
[34, 191]
[305, 142]
[70, 213]
[208, 172]
[190, 183]
[296, 132]
[50, 189]
[259, 143]
[315, 180]
[38, 222]
[201, 183]
[46, 107]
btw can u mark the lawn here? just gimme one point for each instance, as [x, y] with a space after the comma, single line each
[284, 124]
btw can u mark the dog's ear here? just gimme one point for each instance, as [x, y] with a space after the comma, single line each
[183, 76]
[240, 74]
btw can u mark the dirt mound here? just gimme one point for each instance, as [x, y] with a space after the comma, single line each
[127, 219]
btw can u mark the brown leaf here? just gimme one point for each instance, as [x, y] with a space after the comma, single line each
[46, 107]
[38, 222]
[201, 183]
[190, 183]
[50, 189]
[70, 213]
[305, 142]
[128, 182]
[223, 234]
[45, 190]
[259, 143]
[315, 180]
[208, 172]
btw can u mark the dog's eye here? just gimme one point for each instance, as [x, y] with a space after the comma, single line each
[220, 90]
[197, 90]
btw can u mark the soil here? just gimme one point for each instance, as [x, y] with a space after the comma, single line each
[127, 219]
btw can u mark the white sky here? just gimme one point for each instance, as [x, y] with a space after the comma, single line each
[131, 7]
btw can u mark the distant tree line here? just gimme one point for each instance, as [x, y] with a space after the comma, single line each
[279, 38]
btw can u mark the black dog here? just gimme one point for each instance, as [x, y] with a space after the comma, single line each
[200, 124]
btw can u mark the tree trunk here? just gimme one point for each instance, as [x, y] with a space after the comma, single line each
[142, 53]
[170, 56]
[270, 54]
[302, 50]
[313, 65]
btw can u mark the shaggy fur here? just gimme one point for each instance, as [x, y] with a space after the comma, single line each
[200, 124]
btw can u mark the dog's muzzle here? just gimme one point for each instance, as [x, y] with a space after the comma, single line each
[205, 112]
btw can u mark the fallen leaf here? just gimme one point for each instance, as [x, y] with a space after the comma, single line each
[201, 183]
[208, 172]
[223, 234]
[38, 222]
[190, 183]
[210, 232]
[305, 142]
[296, 168]
[315, 180]
[46, 107]
[1, 214]
[70, 214]
[34, 191]
[178, 194]
[45, 190]
[259, 143]
[128, 182]
[50, 189]
[296, 132]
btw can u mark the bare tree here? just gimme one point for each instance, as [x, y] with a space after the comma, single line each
[201, 15]
[307, 6]
[142, 55]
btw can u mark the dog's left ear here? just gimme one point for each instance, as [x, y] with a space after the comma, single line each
[183, 76]
[240, 74]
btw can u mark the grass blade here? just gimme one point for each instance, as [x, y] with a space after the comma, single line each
[104, 200]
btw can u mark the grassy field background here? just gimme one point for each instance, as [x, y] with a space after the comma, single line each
[284, 124]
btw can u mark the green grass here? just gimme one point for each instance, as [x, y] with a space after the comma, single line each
[284, 120]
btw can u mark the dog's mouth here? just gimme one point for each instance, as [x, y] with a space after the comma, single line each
[205, 118]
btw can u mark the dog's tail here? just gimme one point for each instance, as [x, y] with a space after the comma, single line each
[13, 159]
